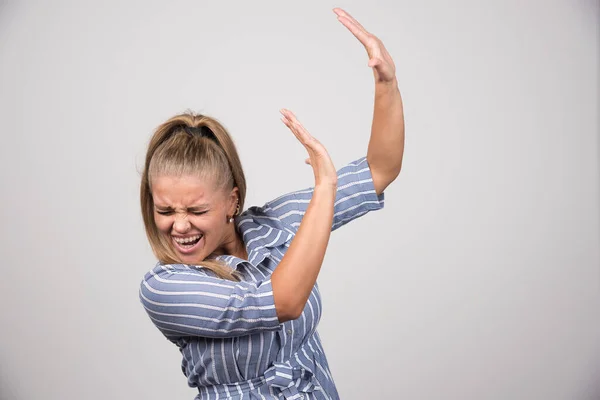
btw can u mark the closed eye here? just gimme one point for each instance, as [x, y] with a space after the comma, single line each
[171, 212]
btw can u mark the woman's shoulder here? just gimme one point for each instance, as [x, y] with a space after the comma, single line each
[165, 270]
[263, 217]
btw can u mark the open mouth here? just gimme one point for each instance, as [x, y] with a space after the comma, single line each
[188, 244]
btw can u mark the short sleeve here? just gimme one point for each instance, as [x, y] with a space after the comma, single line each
[187, 302]
[355, 197]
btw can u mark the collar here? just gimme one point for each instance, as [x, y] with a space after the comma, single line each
[260, 234]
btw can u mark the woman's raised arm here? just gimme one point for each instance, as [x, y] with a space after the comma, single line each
[386, 146]
[297, 272]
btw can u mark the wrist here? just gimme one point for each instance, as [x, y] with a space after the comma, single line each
[325, 190]
[386, 87]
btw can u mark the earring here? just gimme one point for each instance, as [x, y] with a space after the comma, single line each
[237, 212]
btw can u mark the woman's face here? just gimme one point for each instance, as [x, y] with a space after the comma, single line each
[193, 215]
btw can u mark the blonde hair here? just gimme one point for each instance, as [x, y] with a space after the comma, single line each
[191, 144]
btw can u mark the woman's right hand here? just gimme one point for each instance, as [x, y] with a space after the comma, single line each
[296, 274]
[318, 158]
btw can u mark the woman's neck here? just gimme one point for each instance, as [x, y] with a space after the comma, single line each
[233, 245]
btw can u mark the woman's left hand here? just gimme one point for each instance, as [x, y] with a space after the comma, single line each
[379, 59]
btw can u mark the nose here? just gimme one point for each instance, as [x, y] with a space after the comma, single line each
[181, 223]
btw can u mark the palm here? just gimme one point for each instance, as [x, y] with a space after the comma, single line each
[319, 159]
[380, 60]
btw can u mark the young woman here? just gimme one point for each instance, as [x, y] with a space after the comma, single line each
[236, 291]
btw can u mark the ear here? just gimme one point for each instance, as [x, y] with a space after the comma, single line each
[233, 200]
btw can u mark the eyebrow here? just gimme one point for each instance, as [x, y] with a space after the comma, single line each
[199, 207]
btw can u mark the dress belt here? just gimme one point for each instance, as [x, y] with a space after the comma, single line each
[281, 376]
[289, 380]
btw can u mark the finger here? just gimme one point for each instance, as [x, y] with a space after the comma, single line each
[291, 127]
[373, 62]
[359, 33]
[342, 13]
[312, 145]
[307, 137]
[299, 129]
[285, 117]
[295, 132]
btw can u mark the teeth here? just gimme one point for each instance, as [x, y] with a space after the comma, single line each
[187, 240]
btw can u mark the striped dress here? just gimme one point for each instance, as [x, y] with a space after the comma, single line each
[233, 345]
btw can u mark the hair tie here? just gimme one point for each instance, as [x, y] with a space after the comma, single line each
[202, 131]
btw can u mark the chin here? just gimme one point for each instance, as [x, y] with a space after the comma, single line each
[190, 258]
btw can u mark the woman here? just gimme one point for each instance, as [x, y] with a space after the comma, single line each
[236, 292]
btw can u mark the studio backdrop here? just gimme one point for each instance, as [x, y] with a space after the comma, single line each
[480, 278]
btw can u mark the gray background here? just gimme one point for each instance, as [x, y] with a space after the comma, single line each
[480, 278]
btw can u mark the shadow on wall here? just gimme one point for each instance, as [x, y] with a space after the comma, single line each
[5, 392]
[593, 393]
[592, 390]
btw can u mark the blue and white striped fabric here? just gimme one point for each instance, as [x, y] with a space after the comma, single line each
[232, 343]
